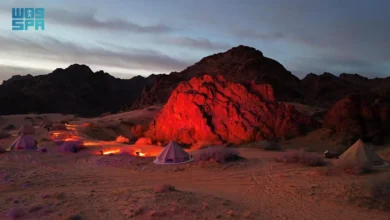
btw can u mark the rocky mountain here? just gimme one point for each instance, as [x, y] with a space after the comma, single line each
[78, 90]
[365, 116]
[240, 64]
[75, 89]
[213, 110]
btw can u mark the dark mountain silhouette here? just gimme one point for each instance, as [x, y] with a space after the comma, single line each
[240, 64]
[78, 90]
[75, 89]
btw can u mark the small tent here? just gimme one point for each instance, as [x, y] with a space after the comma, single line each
[71, 146]
[24, 142]
[26, 129]
[361, 153]
[173, 154]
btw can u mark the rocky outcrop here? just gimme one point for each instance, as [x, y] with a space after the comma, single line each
[214, 110]
[363, 116]
[240, 64]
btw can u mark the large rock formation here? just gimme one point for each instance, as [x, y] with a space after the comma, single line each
[363, 116]
[214, 110]
[75, 89]
[239, 64]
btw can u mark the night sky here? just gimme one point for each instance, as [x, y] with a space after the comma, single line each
[127, 38]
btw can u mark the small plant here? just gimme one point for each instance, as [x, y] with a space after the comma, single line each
[218, 154]
[162, 188]
[302, 157]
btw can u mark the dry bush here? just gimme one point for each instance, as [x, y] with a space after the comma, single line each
[138, 130]
[15, 213]
[302, 157]
[162, 188]
[144, 141]
[122, 139]
[218, 154]
[4, 135]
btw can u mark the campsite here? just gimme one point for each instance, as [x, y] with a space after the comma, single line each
[66, 172]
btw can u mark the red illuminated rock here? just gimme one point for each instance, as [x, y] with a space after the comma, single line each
[362, 115]
[214, 110]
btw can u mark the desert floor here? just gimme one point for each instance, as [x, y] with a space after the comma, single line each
[55, 185]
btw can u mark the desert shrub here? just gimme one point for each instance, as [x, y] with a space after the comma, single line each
[265, 145]
[138, 130]
[15, 213]
[143, 141]
[9, 127]
[122, 139]
[162, 188]
[302, 157]
[4, 135]
[218, 154]
[380, 192]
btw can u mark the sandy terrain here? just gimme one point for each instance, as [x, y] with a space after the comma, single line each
[55, 185]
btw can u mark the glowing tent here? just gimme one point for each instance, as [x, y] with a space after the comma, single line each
[359, 152]
[26, 129]
[173, 154]
[24, 142]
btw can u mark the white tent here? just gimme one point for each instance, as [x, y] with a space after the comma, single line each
[23, 142]
[361, 153]
[173, 154]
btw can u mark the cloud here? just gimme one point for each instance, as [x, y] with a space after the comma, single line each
[252, 34]
[50, 49]
[88, 19]
[337, 64]
[200, 43]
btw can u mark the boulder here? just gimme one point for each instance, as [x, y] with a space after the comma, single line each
[214, 110]
[360, 115]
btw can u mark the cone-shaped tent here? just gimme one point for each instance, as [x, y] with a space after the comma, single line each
[361, 153]
[26, 129]
[24, 142]
[173, 154]
[71, 146]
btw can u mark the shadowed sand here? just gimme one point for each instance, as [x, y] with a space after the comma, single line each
[57, 185]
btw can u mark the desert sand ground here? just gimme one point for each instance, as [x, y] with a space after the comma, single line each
[55, 185]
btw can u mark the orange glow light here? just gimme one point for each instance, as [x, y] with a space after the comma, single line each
[111, 152]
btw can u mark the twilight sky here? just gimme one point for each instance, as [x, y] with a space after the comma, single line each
[132, 37]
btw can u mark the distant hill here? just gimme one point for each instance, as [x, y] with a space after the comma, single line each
[75, 89]
[78, 90]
